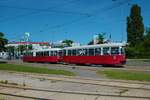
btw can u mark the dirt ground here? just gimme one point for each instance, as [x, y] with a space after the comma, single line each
[87, 85]
[72, 84]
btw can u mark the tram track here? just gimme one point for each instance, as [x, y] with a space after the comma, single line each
[64, 92]
[115, 83]
[64, 78]
[88, 81]
[26, 97]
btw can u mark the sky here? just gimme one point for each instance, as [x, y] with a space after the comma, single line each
[78, 20]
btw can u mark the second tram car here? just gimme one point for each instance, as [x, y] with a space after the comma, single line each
[102, 54]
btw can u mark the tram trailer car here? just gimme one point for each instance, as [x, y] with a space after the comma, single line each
[101, 54]
[51, 55]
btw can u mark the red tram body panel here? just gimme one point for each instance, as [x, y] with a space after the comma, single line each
[101, 60]
[42, 59]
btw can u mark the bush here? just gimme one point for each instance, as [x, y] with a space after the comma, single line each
[137, 53]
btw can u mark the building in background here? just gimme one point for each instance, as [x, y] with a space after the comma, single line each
[16, 49]
[35, 45]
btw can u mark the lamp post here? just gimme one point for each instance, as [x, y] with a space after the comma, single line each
[27, 35]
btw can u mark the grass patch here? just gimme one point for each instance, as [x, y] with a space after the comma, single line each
[125, 75]
[22, 68]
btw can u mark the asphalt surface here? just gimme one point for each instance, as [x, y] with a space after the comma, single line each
[138, 62]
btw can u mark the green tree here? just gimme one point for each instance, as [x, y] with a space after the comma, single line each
[146, 43]
[100, 39]
[67, 42]
[135, 26]
[21, 48]
[11, 51]
[91, 42]
[30, 47]
[3, 42]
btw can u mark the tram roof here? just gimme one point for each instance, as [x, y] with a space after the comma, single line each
[50, 49]
[98, 45]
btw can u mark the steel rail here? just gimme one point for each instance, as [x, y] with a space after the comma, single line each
[66, 92]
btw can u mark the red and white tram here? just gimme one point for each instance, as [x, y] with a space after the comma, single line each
[47, 55]
[103, 54]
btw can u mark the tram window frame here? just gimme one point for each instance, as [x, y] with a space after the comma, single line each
[116, 52]
[107, 49]
[51, 53]
[91, 51]
[98, 51]
[34, 54]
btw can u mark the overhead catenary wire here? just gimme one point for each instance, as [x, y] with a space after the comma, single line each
[37, 11]
[62, 25]
[45, 10]
[93, 14]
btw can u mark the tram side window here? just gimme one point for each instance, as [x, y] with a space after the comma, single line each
[69, 52]
[60, 53]
[39, 53]
[64, 52]
[53, 53]
[97, 51]
[30, 53]
[78, 52]
[114, 50]
[46, 53]
[91, 52]
[73, 52]
[82, 52]
[122, 50]
[36, 53]
[106, 51]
